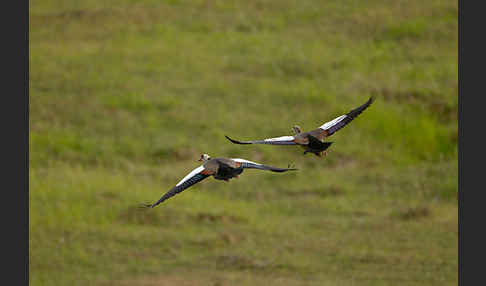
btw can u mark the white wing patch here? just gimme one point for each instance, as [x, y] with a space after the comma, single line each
[333, 122]
[191, 174]
[243, 160]
[282, 138]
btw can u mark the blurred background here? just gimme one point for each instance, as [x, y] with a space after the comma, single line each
[125, 95]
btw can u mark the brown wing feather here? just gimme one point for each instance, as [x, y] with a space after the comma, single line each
[319, 133]
[228, 162]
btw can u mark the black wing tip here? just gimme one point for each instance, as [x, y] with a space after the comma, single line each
[146, 206]
[355, 112]
[281, 170]
[371, 100]
[235, 141]
[285, 170]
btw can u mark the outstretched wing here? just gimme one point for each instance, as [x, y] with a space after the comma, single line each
[283, 140]
[197, 175]
[245, 164]
[329, 128]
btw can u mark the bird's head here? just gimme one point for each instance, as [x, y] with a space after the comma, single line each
[204, 158]
[297, 129]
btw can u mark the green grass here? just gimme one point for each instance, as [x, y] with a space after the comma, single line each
[125, 96]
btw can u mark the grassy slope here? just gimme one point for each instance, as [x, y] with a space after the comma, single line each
[125, 95]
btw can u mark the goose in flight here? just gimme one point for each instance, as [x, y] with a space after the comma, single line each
[220, 168]
[312, 141]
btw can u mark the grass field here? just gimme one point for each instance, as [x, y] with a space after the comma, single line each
[125, 96]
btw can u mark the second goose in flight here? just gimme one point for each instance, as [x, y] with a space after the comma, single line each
[312, 141]
[220, 168]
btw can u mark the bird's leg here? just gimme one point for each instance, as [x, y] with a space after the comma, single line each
[324, 153]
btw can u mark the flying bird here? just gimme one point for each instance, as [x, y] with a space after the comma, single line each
[220, 168]
[312, 141]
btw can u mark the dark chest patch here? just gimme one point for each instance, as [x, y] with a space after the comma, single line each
[227, 172]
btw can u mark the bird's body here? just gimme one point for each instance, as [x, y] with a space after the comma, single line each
[312, 141]
[220, 168]
[223, 168]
